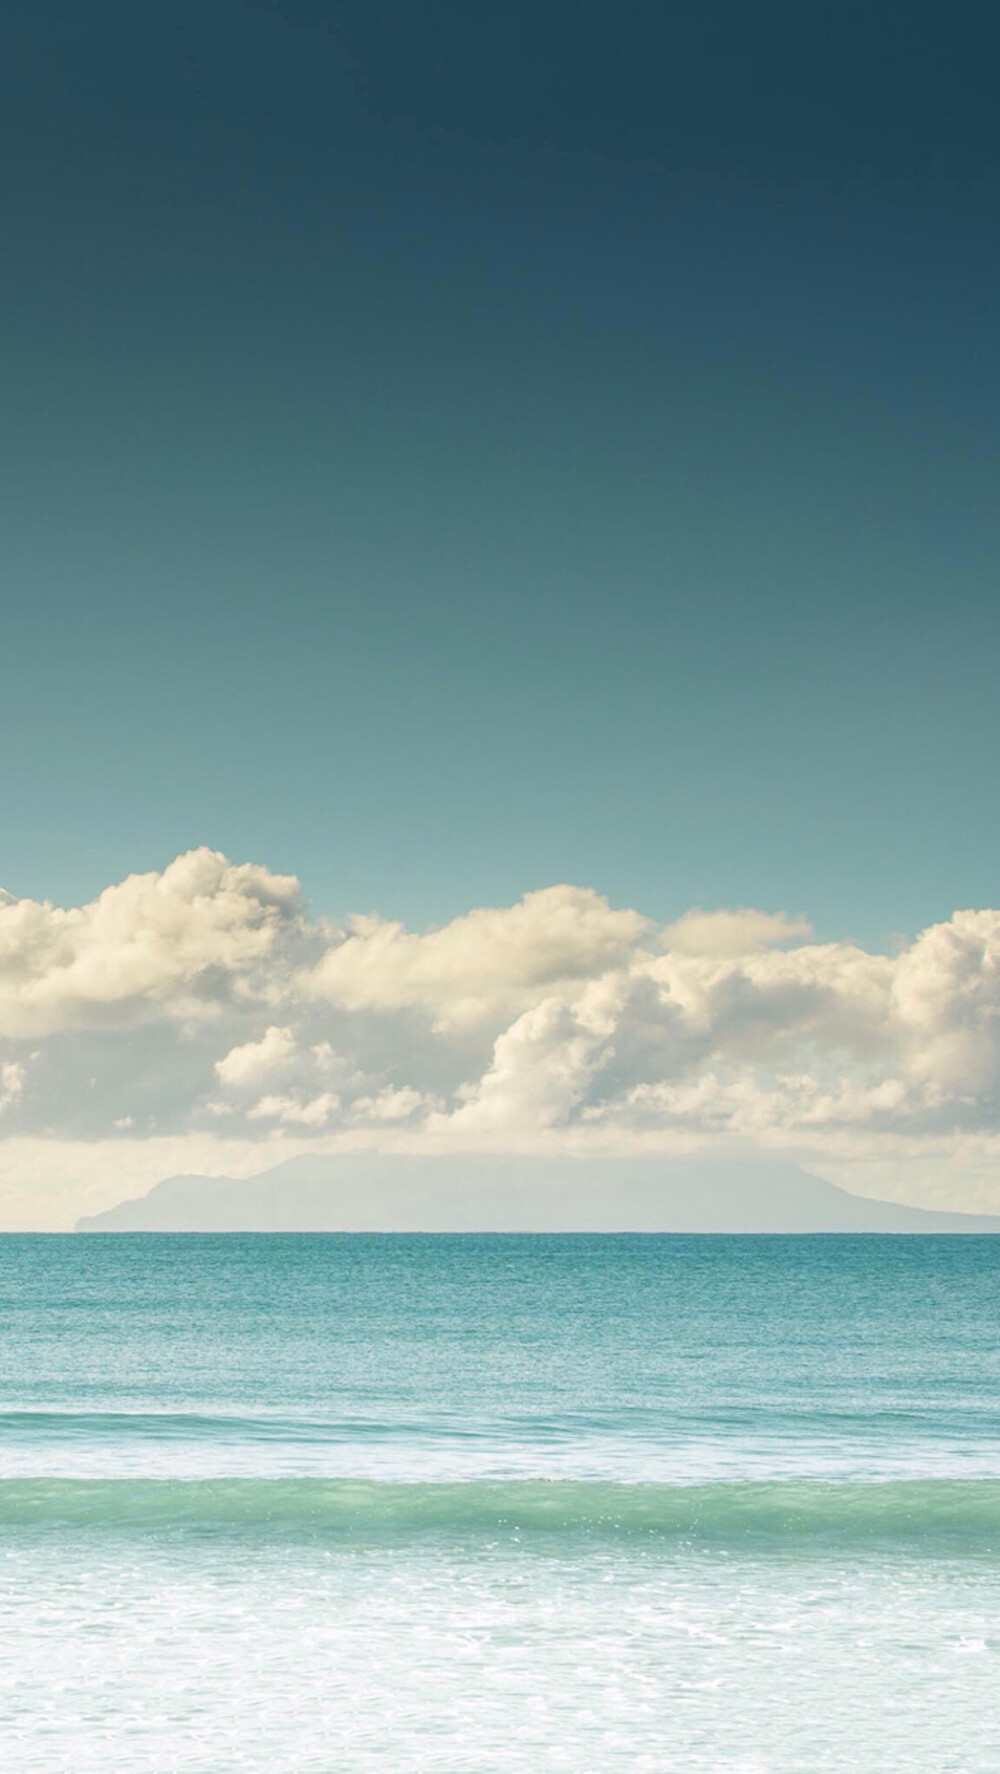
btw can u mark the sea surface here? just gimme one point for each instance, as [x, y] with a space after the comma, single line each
[478, 1504]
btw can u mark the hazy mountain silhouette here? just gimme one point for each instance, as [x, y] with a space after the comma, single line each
[373, 1192]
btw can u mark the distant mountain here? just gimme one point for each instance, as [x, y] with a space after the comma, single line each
[371, 1192]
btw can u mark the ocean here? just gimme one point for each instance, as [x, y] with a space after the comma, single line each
[477, 1504]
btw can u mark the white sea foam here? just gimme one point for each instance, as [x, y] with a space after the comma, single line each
[184, 1657]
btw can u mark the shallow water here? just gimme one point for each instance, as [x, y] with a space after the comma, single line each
[337, 1503]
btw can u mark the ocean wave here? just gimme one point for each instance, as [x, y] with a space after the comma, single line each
[174, 1425]
[946, 1516]
[980, 1420]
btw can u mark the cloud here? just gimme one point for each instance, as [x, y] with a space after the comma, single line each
[203, 1003]
[246, 1067]
[542, 1069]
[12, 1077]
[724, 933]
[292, 1111]
[174, 944]
[392, 1106]
[946, 997]
[489, 962]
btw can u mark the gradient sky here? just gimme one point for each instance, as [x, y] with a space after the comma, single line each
[451, 449]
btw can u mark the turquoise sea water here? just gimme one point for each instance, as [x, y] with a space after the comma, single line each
[474, 1504]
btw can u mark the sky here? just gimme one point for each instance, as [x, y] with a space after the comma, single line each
[449, 453]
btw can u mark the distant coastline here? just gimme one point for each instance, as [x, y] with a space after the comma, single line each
[365, 1192]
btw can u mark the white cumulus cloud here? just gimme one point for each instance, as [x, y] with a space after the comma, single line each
[176, 943]
[12, 1077]
[490, 961]
[247, 1066]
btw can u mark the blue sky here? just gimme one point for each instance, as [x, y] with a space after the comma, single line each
[447, 452]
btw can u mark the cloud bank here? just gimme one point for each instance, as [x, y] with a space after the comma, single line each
[203, 1009]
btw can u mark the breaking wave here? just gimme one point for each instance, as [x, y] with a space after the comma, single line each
[947, 1516]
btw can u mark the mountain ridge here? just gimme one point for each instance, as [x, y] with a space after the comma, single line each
[372, 1192]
